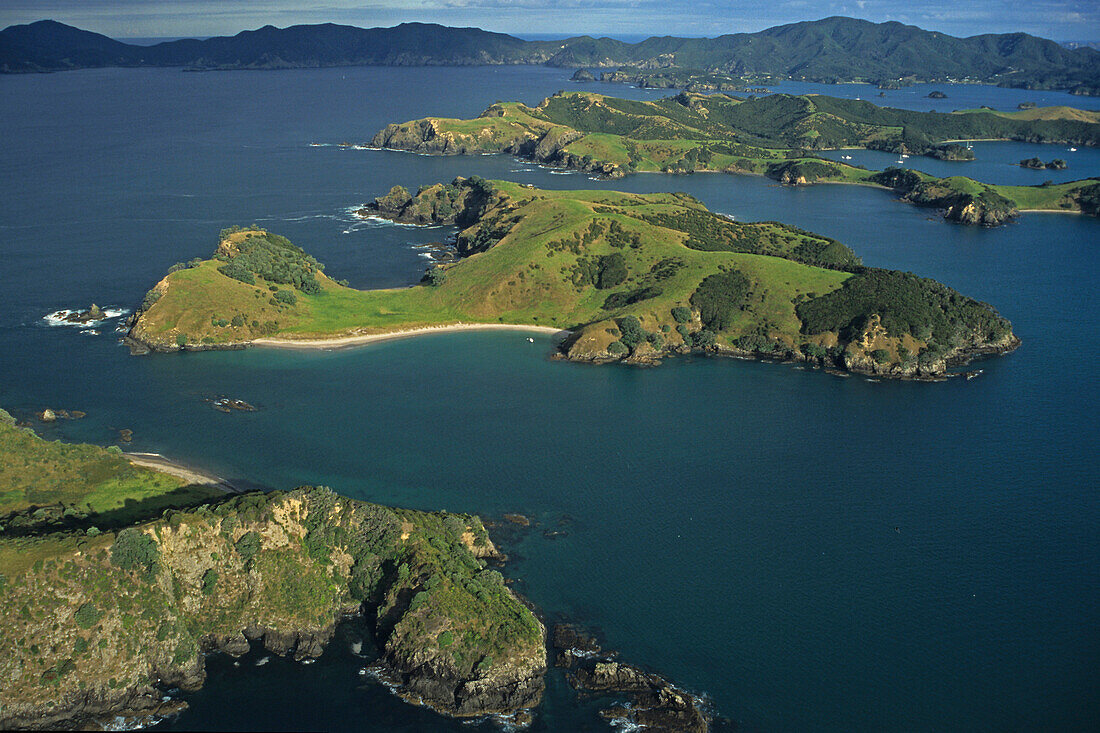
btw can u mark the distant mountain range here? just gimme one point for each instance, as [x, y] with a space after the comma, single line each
[828, 50]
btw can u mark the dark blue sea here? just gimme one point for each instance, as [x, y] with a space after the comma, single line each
[811, 552]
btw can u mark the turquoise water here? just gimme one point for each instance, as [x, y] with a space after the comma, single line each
[811, 552]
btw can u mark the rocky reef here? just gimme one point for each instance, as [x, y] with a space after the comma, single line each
[651, 701]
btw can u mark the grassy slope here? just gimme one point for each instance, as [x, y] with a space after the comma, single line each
[524, 279]
[628, 135]
[84, 478]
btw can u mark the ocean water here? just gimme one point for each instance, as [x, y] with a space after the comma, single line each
[811, 552]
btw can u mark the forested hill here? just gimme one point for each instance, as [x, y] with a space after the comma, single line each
[831, 49]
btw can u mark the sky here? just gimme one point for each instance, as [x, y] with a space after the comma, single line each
[1062, 20]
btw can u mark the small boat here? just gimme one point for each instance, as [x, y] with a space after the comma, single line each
[900, 161]
[530, 340]
[905, 155]
[1073, 150]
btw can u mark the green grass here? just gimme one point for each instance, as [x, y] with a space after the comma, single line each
[87, 478]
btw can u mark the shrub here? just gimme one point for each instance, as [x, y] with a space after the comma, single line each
[612, 271]
[209, 581]
[435, 277]
[702, 339]
[617, 348]
[248, 545]
[632, 331]
[135, 550]
[238, 320]
[881, 356]
[287, 297]
[181, 339]
[87, 616]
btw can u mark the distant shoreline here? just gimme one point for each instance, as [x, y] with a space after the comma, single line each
[366, 338]
[158, 462]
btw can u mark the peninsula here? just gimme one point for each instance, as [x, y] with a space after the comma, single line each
[632, 277]
[773, 136]
[111, 599]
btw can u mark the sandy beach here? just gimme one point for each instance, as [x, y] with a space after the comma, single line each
[366, 338]
[193, 476]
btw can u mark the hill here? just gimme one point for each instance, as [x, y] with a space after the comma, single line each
[773, 135]
[632, 277]
[100, 621]
[827, 50]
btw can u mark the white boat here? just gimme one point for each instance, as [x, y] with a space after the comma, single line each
[530, 340]
[1073, 150]
[905, 155]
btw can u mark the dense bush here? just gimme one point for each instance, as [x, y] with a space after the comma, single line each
[629, 297]
[135, 550]
[906, 304]
[632, 331]
[718, 297]
[286, 296]
[681, 314]
[274, 259]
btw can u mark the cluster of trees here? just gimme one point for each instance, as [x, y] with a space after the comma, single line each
[719, 297]
[274, 259]
[710, 232]
[604, 271]
[907, 304]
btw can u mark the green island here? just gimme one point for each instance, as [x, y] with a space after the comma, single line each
[103, 612]
[773, 136]
[631, 277]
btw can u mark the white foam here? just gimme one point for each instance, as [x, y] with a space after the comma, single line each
[263, 661]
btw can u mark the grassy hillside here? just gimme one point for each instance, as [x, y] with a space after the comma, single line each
[81, 480]
[100, 623]
[773, 135]
[633, 276]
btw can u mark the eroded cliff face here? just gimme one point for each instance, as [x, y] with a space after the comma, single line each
[100, 625]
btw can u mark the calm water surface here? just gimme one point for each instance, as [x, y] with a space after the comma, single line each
[812, 552]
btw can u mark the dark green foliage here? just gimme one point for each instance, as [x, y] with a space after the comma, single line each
[209, 581]
[181, 339]
[719, 297]
[881, 356]
[680, 314]
[135, 551]
[803, 170]
[710, 232]
[237, 271]
[248, 546]
[274, 259]
[632, 331]
[703, 339]
[435, 276]
[238, 320]
[612, 271]
[756, 343]
[87, 616]
[150, 299]
[814, 351]
[617, 348]
[906, 304]
[286, 297]
[619, 300]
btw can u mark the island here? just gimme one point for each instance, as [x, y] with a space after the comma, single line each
[621, 277]
[774, 136]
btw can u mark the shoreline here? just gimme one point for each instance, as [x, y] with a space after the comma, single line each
[159, 462]
[337, 342]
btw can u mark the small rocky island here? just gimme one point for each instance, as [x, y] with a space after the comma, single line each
[630, 277]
